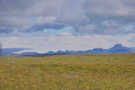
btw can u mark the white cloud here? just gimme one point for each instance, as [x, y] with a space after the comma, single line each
[111, 8]
[23, 14]
[66, 42]
[96, 21]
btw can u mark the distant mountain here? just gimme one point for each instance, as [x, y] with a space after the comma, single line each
[118, 48]
[29, 53]
[13, 50]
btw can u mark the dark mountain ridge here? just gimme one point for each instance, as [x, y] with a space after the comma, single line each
[118, 48]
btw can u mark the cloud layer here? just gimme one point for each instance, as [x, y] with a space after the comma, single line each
[66, 42]
[108, 17]
[59, 18]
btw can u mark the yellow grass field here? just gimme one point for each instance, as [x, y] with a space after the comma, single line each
[69, 72]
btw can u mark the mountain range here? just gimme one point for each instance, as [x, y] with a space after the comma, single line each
[118, 48]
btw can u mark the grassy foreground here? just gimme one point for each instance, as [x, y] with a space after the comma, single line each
[69, 72]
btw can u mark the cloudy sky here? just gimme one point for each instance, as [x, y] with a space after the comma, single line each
[50, 25]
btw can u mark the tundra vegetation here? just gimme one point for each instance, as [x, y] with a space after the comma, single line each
[69, 72]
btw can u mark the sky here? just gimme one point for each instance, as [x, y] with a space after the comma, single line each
[51, 25]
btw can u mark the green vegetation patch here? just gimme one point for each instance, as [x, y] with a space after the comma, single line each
[69, 72]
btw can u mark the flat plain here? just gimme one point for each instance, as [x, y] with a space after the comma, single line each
[69, 72]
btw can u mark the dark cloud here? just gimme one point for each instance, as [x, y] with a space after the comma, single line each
[86, 16]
